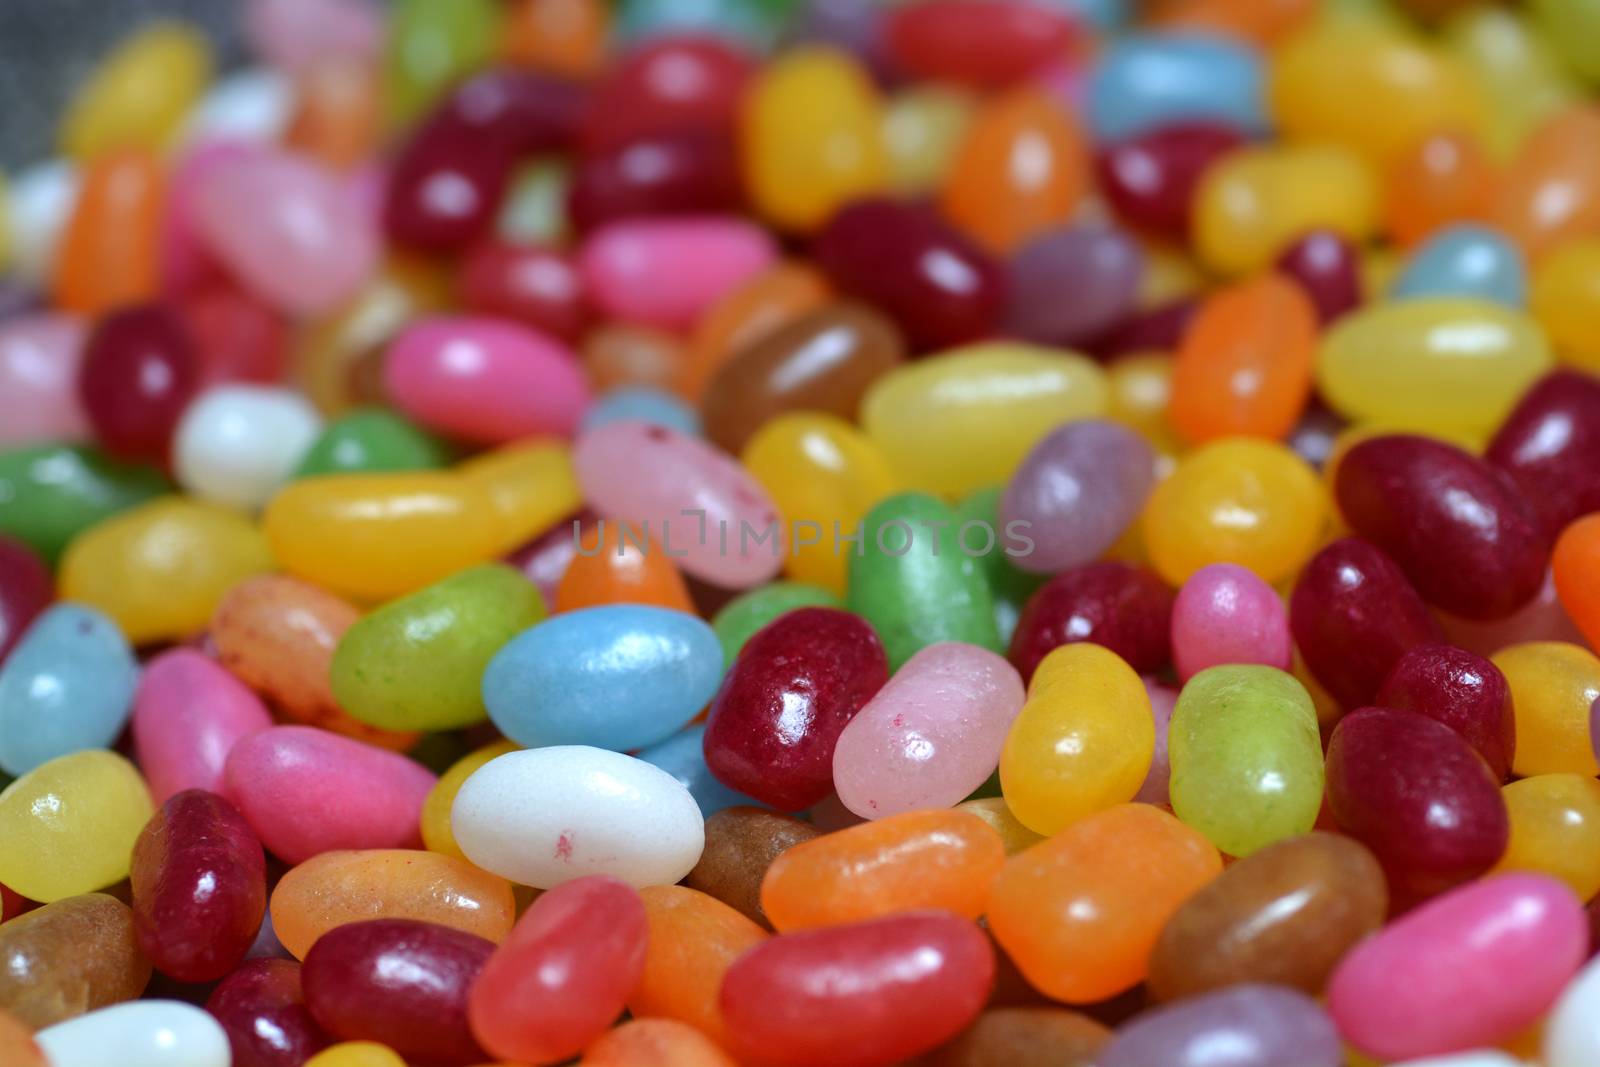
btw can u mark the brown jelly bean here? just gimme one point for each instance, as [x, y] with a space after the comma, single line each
[1024, 1037]
[741, 843]
[66, 958]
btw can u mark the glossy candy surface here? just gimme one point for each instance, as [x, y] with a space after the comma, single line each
[71, 824]
[1124, 608]
[261, 1007]
[1462, 690]
[1257, 1024]
[1225, 614]
[69, 957]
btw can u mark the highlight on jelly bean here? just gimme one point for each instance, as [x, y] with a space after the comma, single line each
[800, 533]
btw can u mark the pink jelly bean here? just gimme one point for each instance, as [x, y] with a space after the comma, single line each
[1163, 699]
[305, 791]
[289, 229]
[667, 271]
[930, 736]
[294, 33]
[186, 262]
[39, 359]
[188, 714]
[1226, 614]
[485, 380]
[1472, 967]
[694, 502]
[1540, 619]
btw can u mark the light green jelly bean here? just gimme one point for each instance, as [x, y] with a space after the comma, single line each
[742, 616]
[371, 440]
[433, 44]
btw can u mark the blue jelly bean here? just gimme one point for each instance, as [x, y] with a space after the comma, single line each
[737, 20]
[68, 685]
[621, 677]
[1466, 260]
[1146, 81]
[683, 756]
[642, 404]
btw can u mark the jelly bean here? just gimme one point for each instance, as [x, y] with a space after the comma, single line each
[357, 1054]
[26, 590]
[940, 288]
[1440, 179]
[811, 137]
[1425, 968]
[683, 81]
[750, 23]
[743, 616]
[446, 154]
[70, 824]
[1254, 503]
[160, 569]
[1150, 180]
[561, 36]
[642, 403]
[251, 106]
[1462, 690]
[1009, 586]
[436, 834]
[531, 485]
[744, 316]
[821, 361]
[620, 568]
[693, 940]
[109, 251]
[904, 985]
[149, 1033]
[1225, 614]
[262, 1009]
[688, 173]
[683, 756]
[1466, 261]
[1551, 191]
[1553, 685]
[931, 735]
[666, 272]
[139, 372]
[1413, 791]
[1120, 607]
[545, 816]
[559, 981]
[1025, 1037]
[67, 686]
[16, 1041]
[1080, 913]
[1257, 1025]
[1255, 202]
[431, 44]
[742, 843]
[923, 125]
[1468, 542]
[1553, 824]
[400, 980]
[661, 1042]
[1324, 263]
[40, 355]
[1246, 757]
[199, 887]
[1076, 492]
[305, 791]
[1566, 288]
[1148, 82]
[1547, 444]
[66, 958]
[969, 43]
[537, 287]
[617, 355]
[236, 337]
[1157, 781]
[1285, 915]
[371, 441]
[236, 444]
[337, 888]
[965, 420]
[774, 725]
[1570, 1038]
[1100, 265]
[139, 94]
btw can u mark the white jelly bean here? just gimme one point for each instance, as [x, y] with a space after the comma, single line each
[236, 444]
[140, 1033]
[252, 105]
[1572, 1032]
[41, 199]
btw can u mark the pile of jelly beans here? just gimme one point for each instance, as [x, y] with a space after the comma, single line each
[808, 533]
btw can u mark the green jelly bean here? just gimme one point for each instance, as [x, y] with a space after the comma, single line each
[370, 440]
[417, 662]
[742, 616]
[914, 582]
[1008, 584]
[48, 493]
[1246, 757]
[432, 45]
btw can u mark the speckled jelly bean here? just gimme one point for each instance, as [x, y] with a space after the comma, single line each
[72, 822]
[1552, 685]
[1466, 260]
[1150, 81]
[741, 845]
[147, 1033]
[237, 444]
[1460, 689]
[261, 1007]
[1121, 607]
[63, 959]
[1225, 614]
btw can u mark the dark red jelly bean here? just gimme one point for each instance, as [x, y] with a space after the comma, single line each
[1550, 445]
[1100, 266]
[139, 372]
[1157, 329]
[523, 112]
[25, 591]
[539, 287]
[1124, 608]
[941, 288]
[1412, 790]
[399, 981]
[236, 338]
[685, 173]
[199, 881]
[670, 85]
[774, 723]
[1326, 266]
[1353, 615]
[1462, 690]
[446, 186]
[1150, 180]
[1467, 540]
[986, 43]
[264, 1014]
[861, 995]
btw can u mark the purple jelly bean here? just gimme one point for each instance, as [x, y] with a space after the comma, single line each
[1098, 266]
[1242, 1026]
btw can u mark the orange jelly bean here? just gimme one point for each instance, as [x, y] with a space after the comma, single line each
[109, 254]
[1244, 366]
[694, 938]
[921, 859]
[1576, 565]
[1264, 22]
[1080, 913]
[1552, 191]
[655, 1043]
[560, 36]
[747, 314]
[1441, 179]
[613, 569]
[338, 114]
[618, 354]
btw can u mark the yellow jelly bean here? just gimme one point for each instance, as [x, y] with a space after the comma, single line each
[1566, 301]
[1372, 89]
[1555, 829]
[993, 810]
[436, 832]
[140, 94]
[376, 536]
[69, 825]
[1444, 364]
[1253, 203]
[1168, 275]
[1082, 742]
[812, 137]
[1523, 80]
[922, 128]
[821, 471]
[161, 569]
[531, 484]
[1238, 500]
[963, 420]
[1553, 686]
[357, 1054]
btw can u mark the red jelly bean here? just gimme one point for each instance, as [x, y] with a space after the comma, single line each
[1550, 445]
[236, 338]
[1462, 690]
[668, 86]
[539, 287]
[986, 43]
[199, 887]
[139, 371]
[940, 287]
[860, 995]
[399, 981]
[1325, 265]
[521, 111]
[774, 724]
[25, 590]
[264, 1014]
[1468, 541]
[1353, 615]
[1124, 608]
[686, 173]
[561, 978]
[1158, 329]
[446, 187]
[1150, 180]
[1412, 790]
